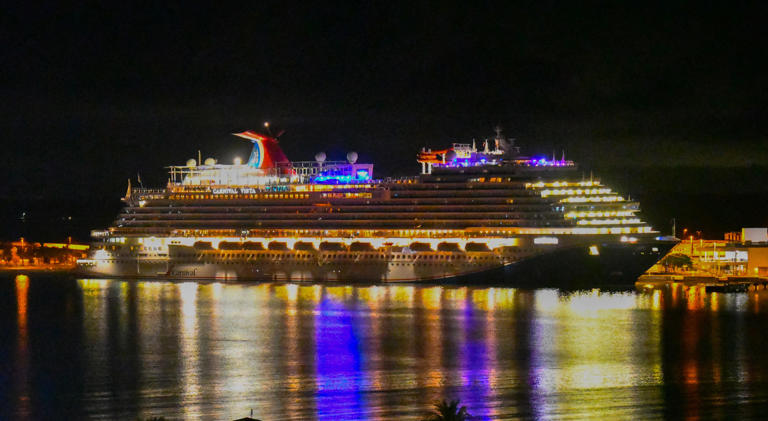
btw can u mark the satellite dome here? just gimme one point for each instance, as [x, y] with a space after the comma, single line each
[450, 156]
[191, 163]
[320, 157]
[210, 161]
[352, 157]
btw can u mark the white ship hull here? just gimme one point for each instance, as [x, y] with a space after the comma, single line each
[300, 266]
[566, 266]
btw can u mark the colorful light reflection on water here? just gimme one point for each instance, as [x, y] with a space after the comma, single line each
[109, 349]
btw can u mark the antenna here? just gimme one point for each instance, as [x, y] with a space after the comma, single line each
[199, 157]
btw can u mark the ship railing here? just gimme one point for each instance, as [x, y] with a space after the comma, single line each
[398, 179]
[142, 190]
[314, 164]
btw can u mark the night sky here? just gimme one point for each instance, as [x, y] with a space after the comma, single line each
[94, 93]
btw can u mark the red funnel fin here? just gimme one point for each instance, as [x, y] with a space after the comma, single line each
[266, 152]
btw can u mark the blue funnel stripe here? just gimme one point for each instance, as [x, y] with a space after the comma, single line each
[257, 155]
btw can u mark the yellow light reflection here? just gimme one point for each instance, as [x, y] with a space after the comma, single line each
[22, 287]
[484, 299]
[188, 295]
[190, 355]
[431, 297]
[373, 297]
[312, 293]
[22, 379]
[216, 290]
[596, 301]
[456, 297]
[546, 300]
[292, 291]
[337, 293]
[403, 295]
[591, 336]
[656, 300]
[694, 297]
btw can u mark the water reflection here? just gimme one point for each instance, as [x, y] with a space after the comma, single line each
[22, 345]
[289, 351]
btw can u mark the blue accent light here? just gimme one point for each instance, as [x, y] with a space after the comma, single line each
[360, 176]
[333, 179]
[256, 159]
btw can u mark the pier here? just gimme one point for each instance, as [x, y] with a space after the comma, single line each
[737, 263]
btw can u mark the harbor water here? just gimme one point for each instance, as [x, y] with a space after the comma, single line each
[111, 349]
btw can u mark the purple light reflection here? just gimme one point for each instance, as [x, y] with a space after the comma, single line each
[338, 358]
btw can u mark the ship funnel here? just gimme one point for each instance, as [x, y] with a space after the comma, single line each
[266, 152]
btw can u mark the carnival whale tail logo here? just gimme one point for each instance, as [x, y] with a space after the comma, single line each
[266, 152]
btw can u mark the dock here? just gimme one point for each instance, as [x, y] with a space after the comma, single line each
[738, 263]
[710, 283]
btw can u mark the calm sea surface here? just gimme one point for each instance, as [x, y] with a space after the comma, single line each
[109, 349]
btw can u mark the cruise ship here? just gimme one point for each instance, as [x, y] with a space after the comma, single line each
[476, 212]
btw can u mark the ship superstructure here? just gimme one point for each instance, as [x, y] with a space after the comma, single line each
[474, 211]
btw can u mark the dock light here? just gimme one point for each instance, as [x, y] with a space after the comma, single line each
[266, 124]
[238, 160]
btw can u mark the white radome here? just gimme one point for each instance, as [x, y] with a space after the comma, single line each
[191, 163]
[320, 157]
[352, 157]
[210, 161]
